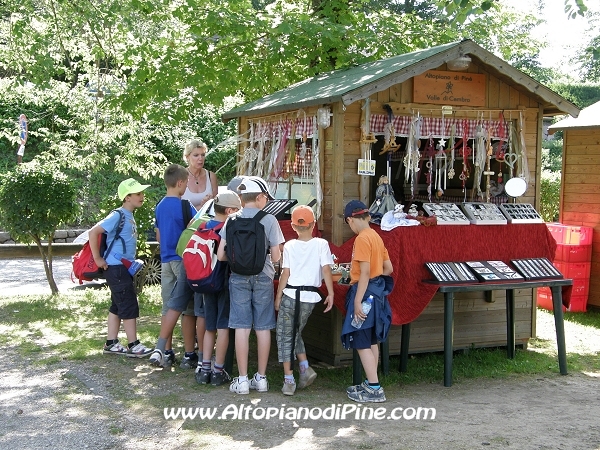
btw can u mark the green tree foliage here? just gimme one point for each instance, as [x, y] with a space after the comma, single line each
[580, 94]
[158, 59]
[35, 200]
[550, 196]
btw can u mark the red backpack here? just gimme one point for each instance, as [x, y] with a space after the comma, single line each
[205, 273]
[84, 266]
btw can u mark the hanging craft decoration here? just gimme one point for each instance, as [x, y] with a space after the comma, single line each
[389, 132]
[412, 157]
[452, 146]
[366, 165]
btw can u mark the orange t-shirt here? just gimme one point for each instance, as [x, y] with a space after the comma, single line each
[368, 247]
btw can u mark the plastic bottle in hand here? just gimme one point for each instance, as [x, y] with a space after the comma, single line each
[132, 267]
[366, 307]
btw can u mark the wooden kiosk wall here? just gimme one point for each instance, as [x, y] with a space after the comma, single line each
[580, 193]
[478, 322]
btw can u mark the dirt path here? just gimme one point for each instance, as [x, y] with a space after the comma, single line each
[118, 403]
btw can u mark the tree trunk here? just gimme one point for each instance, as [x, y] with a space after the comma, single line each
[47, 260]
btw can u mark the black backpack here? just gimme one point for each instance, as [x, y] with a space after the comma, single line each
[246, 247]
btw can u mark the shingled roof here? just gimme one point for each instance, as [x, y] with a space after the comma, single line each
[589, 117]
[359, 82]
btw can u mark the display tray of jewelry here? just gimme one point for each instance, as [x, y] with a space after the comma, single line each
[484, 214]
[446, 213]
[534, 268]
[451, 272]
[521, 213]
[493, 271]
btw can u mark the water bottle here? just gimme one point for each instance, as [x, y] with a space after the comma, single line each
[132, 267]
[366, 307]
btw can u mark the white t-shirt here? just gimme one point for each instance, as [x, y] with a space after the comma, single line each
[306, 259]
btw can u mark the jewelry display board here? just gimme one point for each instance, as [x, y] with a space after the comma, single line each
[493, 271]
[446, 213]
[484, 214]
[536, 268]
[278, 206]
[451, 272]
[520, 213]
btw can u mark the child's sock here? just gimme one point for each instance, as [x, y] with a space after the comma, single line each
[242, 378]
[258, 376]
[161, 344]
[110, 342]
[303, 365]
[289, 379]
[217, 368]
[206, 365]
[133, 344]
[191, 355]
[374, 386]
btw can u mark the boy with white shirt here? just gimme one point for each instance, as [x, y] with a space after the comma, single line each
[306, 263]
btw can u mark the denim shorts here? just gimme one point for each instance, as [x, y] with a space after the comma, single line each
[169, 272]
[216, 310]
[124, 302]
[252, 303]
[285, 327]
[182, 296]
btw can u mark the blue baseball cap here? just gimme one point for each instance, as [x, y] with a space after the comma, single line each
[354, 208]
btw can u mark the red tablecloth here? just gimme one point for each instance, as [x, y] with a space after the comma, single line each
[411, 247]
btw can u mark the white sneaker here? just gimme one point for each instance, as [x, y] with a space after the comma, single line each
[261, 385]
[157, 358]
[239, 387]
[139, 351]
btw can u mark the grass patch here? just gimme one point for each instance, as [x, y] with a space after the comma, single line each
[72, 326]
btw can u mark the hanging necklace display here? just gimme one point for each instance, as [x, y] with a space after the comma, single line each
[412, 158]
[479, 157]
[465, 151]
[316, 168]
[488, 173]
[451, 172]
[250, 153]
[366, 165]
[429, 153]
[441, 162]
[523, 166]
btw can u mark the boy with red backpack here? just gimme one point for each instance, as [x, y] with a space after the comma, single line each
[216, 304]
[124, 306]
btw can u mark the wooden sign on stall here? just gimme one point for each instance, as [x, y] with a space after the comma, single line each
[449, 88]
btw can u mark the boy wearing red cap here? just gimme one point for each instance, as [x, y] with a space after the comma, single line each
[306, 263]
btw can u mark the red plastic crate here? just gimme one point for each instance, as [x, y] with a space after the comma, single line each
[571, 234]
[574, 269]
[544, 299]
[578, 304]
[557, 230]
[581, 287]
[573, 253]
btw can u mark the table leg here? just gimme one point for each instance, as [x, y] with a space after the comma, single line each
[448, 336]
[357, 377]
[560, 328]
[385, 357]
[510, 323]
[404, 342]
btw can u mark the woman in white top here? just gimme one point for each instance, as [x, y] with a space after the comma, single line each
[202, 184]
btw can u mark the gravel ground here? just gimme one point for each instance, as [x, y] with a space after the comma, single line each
[111, 402]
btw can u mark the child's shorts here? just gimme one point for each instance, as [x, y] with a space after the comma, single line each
[252, 303]
[362, 339]
[182, 296]
[216, 310]
[124, 303]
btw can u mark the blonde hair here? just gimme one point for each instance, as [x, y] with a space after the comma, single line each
[190, 146]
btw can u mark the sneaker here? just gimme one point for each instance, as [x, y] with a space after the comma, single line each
[114, 349]
[368, 395]
[261, 385]
[288, 388]
[157, 358]
[139, 351]
[188, 362]
[357, 387]
[219, 378]
[239, 387]
[307, 378]
[202, 377]
[169, 358]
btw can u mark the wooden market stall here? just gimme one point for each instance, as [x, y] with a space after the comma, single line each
[580, 182]
[391, 117]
